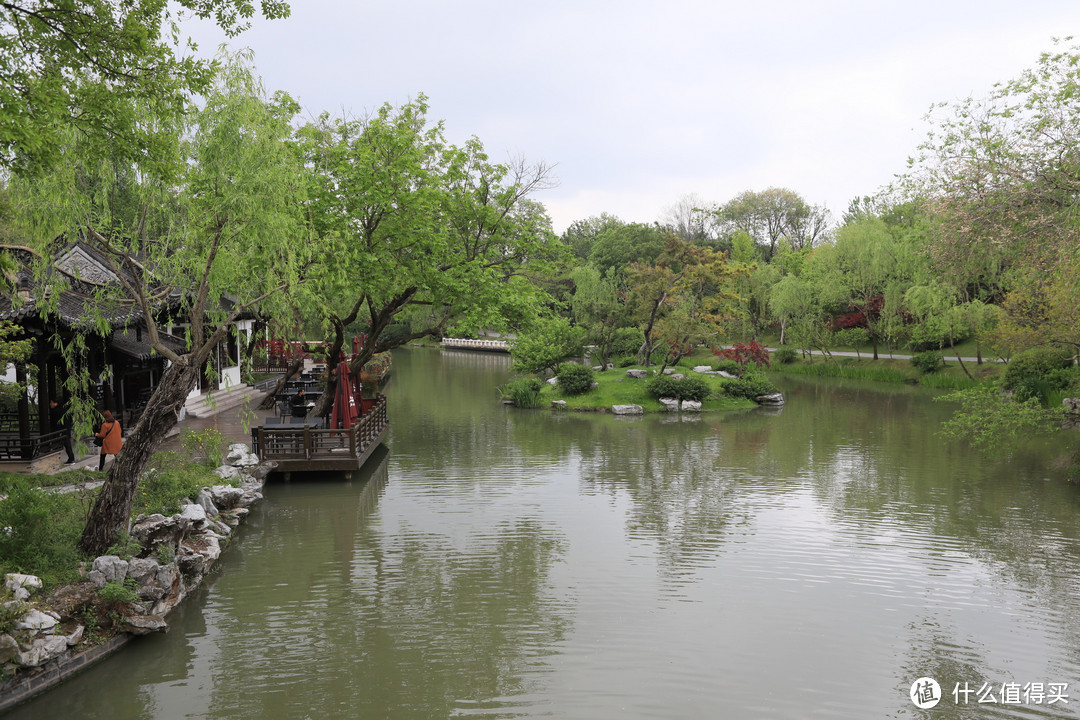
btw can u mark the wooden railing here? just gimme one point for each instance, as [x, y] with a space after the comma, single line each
[469, 344]
[13, 447]
[308, 443]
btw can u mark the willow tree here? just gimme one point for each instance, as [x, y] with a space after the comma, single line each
[1003, 173]
[228, 240]
[85, 65]
[412, 226]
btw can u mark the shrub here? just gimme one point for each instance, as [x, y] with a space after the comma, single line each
[114, 592]
[170, 479]
[690, 388]
[927, 362]
[40, 533]
[575, 379]
[785, 356]
[749, 386]
[525, 392]
[1046, 363]
[625, 361]
[208, 445]
[627, 341]
[729, 366]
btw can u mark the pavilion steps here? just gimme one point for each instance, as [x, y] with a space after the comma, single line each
[219, 401]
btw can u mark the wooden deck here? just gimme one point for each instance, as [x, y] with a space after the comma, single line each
[309, 449]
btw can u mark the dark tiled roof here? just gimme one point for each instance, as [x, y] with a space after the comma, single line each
[129, 342]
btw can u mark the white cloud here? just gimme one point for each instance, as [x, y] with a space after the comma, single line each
[639, 103]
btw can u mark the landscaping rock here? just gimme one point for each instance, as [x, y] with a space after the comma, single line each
[558, 404]
[194, 514]
[773, 399]
[627, 410]
[677, 376]
[9, 649]
[226, 497]
[154, 531]
[690, 406]
[635, 373]
[107, 569]
[727, 375]
[204, 500]
[35, 620]
[153, 580]
[260, 471]
[76, 637]
[706, 369]
[226, 472]
[144, 624]
[42, 650]
[670, 404]
[16, 581]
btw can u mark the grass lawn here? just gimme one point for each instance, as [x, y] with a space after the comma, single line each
[951, 376]
[615, 388]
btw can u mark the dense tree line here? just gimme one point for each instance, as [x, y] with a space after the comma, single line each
[199, 184]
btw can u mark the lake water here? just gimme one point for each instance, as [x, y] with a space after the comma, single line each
[496, 562]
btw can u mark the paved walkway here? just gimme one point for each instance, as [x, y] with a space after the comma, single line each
[235, 424]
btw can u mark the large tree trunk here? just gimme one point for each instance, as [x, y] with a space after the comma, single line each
[112, 508]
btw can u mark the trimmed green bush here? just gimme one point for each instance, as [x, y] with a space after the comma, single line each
[785, 355]
[927, 362]
[1043, 362]
[729, 366]
[750, 385]
[689, 388]
[575, 379]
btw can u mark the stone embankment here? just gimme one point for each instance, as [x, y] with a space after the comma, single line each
[49, 638]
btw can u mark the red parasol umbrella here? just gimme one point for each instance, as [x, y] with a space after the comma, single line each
[345, 411]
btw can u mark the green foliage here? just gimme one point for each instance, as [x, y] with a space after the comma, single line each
[616, 246]
[1042, 363]
[10, 612]
[525, 392]
[626, 342]
[546, 345]
[207, 445]
[752, 383]
[119, 593]
[575, 379]
[993, 422]
[927, 362]
[687, 388]
[784, 355]
[85, 66]
[125, 547]
[168, 480]
[731, 367]
[44, 531]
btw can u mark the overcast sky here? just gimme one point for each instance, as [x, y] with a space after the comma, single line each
[640, 103]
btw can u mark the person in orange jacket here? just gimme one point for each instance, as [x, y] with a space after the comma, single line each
[111, 442]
